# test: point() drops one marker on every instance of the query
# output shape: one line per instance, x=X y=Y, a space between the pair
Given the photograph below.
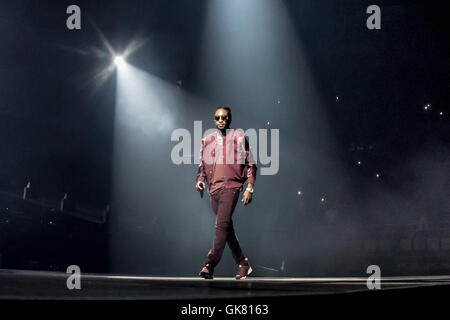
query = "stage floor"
x=20 y=284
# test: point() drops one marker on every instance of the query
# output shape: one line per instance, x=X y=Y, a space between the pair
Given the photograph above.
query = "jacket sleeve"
x=250 y=164
x=201 y=172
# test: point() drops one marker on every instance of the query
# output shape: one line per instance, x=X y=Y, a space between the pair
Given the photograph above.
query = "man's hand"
x=200 y=185
x=247 y=197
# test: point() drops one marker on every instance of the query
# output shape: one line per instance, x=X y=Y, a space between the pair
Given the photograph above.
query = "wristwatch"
x=249 y=189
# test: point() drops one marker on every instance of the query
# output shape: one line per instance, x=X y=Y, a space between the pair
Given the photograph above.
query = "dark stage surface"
x=42 y=285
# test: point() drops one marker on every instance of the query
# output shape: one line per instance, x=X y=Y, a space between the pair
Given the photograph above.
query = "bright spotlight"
x=119 y=61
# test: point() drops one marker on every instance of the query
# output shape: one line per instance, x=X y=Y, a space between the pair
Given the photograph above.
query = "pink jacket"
x=239 y=160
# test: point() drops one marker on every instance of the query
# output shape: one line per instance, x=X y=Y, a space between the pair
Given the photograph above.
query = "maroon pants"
x=223 y=202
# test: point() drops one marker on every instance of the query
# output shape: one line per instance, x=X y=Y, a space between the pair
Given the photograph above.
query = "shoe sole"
x=249 y=271
x=206 y=275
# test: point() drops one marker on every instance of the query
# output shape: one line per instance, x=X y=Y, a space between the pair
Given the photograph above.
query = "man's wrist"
x=250 y=188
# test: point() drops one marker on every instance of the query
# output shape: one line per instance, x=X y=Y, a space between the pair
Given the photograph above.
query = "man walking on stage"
x=225 y=164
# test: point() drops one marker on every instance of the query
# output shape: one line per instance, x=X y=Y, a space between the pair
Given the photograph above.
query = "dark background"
x=57 y=121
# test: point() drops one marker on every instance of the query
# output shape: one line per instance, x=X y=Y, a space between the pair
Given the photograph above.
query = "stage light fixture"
x=119 y=61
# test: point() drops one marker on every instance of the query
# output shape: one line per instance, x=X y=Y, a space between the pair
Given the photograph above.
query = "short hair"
x=225 y=108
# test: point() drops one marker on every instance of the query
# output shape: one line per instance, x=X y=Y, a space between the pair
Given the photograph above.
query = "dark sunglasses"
x=221 y=117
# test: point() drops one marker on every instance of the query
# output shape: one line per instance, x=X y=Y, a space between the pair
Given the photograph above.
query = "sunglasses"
x=226 y=118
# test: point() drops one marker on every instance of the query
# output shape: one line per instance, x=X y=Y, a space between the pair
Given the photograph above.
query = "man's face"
x=221 y=119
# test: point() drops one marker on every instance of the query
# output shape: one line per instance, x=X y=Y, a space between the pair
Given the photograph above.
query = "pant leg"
x=233 y=243
x=223 y=203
